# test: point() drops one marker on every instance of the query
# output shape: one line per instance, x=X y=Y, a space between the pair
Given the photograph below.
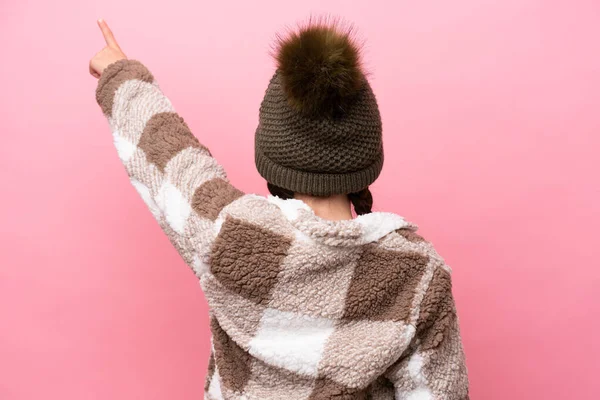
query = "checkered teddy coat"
x=301 y=308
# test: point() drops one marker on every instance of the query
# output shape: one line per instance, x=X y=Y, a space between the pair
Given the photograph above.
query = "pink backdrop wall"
x=491 y=119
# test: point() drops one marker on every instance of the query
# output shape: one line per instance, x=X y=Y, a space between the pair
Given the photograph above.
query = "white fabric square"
x=378 y=224
x=419 y=394
x=199 y=266
x=214 y=389
x=125 y=148
x=291 y=341
x=174 y=205
x=289 y=207
x=415 y=365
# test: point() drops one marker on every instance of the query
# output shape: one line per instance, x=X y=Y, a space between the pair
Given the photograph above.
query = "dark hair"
x=362 y=200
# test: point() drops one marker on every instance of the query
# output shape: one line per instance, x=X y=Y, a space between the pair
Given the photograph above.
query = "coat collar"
x=363 y=229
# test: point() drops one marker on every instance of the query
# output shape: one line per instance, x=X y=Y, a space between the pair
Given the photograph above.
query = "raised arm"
x=434 y=368
x=184 y=187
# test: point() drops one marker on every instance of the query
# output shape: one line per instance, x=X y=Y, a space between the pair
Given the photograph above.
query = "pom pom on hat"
x=320 y=69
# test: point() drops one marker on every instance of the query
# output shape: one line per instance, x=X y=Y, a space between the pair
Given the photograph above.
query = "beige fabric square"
x=360 y=351
x=268 y=382
x=139 y=168
x=190 y=168
x=134 y=104
x=239 y=317
x=258 y=211
x=314 y=280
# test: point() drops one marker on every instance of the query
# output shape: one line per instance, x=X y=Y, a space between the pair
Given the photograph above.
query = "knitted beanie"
x=319 y=129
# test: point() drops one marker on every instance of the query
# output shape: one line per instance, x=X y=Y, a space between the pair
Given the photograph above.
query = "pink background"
x=491 y=122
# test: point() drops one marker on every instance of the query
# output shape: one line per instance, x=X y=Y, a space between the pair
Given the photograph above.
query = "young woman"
x=306 y=301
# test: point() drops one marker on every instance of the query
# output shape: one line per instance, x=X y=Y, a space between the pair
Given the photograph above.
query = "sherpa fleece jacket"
x=301 y=308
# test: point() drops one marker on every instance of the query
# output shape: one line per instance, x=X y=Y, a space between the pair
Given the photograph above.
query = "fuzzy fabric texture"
x=301 y=308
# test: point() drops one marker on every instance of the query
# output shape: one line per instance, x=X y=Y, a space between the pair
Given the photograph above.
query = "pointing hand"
x=109 y=54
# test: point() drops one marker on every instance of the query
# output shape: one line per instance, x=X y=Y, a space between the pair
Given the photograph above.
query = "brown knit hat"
x=319 y=129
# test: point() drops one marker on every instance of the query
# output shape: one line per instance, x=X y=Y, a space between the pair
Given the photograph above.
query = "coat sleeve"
x=434 y=367
x=184 y=187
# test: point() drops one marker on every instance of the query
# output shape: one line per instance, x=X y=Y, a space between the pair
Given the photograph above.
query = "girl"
x=306 y=301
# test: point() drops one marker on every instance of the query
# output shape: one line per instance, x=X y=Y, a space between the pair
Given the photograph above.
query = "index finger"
x=108 y=35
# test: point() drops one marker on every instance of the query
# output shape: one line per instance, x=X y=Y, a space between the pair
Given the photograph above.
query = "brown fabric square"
x=383 y=284
x=212 y=196
x=233 y=363
x=410 y=235
x=437 y=310
x=447 y=356
x=210 y=372
x=165 y=135
x=247 y=259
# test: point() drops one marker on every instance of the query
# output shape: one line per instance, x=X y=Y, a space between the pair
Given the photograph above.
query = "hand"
x=108 y=55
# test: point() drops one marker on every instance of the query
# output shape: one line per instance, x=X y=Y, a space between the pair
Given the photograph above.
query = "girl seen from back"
x=306 y=302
